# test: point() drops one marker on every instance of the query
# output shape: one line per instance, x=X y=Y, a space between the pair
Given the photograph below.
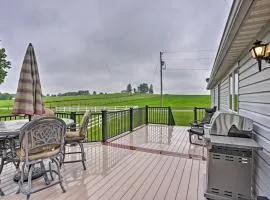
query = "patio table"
x=9 y=129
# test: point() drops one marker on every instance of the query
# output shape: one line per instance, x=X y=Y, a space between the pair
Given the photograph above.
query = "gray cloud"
x=104 y=45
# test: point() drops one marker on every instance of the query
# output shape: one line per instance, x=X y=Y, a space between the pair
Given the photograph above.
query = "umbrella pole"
x=29 y=117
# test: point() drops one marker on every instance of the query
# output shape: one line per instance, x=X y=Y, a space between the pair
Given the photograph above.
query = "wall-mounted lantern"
x=260 y=52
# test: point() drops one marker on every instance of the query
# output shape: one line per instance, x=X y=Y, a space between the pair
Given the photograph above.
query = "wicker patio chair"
x=197 y=127
x=77 y=137
x=41 y=139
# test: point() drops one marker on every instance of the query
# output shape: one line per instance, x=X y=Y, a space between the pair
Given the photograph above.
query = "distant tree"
x=4 y=65
x=83 y=92
x=134 y=90
x=5 y=96
x=129 y=88
x=94 y=93
x=143 y=88
x=151 y=90
x=101 y=93
x=48 y=95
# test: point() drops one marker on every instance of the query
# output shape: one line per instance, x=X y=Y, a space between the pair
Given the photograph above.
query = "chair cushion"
x=197 y=130
x=35 y=156
x=48 y=147
x=73 y=136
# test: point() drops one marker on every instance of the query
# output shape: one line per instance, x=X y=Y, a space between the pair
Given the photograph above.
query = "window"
x=233 y=81
x=236 y=78
x=218 y=97
x=231 y=92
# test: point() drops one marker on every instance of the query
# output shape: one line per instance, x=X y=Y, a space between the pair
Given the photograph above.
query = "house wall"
x=254 y=102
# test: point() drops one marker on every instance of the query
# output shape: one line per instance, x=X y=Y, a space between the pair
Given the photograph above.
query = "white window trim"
x=232 y=110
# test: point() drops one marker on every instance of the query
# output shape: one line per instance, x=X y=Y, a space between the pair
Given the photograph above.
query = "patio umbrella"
x=29 y=96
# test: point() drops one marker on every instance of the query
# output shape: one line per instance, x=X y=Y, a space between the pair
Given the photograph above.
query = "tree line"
x=142 y=88
x=5 y=96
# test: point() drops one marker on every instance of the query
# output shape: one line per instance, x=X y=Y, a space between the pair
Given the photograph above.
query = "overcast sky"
x=104 y=45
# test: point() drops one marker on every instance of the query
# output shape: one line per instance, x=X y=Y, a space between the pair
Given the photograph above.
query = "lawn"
x=177 y=102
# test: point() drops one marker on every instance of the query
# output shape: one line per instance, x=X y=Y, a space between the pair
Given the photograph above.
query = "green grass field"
x=177 y=102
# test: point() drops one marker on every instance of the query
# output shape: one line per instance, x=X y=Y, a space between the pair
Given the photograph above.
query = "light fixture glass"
x=260 y=52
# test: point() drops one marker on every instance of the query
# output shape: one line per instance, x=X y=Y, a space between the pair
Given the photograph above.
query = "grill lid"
x=221 y=123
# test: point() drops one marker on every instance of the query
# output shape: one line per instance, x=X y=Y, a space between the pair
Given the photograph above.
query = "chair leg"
x=45 y=176
x=62 y=158
x=1 y=192
x=59 y=174
x=1 y=164
x=29 y=184
x=83 y=155
x=50 y=168
x=20 y=182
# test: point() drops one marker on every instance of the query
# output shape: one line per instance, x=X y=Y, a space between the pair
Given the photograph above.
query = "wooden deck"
x=116 y=172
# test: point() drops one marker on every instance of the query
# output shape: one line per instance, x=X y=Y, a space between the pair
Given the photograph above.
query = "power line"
x=191 y=69
x=168 y=59
x=184 y=51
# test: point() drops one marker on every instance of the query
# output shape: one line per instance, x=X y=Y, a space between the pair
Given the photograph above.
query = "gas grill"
x=230 y=147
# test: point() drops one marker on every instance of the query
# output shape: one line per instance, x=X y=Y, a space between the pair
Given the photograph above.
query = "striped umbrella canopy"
x=29 y=96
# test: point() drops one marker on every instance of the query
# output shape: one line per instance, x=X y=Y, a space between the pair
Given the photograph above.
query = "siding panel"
x=260 y=108
x=255 y=77
x=258 y=97
x=263 y=86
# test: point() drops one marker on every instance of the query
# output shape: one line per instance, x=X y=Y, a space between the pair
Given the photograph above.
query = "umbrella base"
x=37 y=173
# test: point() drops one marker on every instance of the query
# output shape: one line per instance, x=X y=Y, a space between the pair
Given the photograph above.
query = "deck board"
x=120 y=173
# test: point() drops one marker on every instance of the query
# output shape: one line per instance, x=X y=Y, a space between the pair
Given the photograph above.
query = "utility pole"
x=161 y=78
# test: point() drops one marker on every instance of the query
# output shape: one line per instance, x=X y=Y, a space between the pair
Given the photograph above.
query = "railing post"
x=104 y=125
x=73 y=117
x=195 y=113
x=169 y=116
x=131 y=119
x=146 y=115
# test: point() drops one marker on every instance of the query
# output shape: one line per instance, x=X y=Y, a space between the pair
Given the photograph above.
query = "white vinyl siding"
x=254 y=103
x=224 y=94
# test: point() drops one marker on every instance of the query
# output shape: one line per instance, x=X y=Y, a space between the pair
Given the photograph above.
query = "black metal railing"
x=106 y=125
x=115 y=123
x=138 y=117
x=199 y=114
x=160 y=115
x=12 y=117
